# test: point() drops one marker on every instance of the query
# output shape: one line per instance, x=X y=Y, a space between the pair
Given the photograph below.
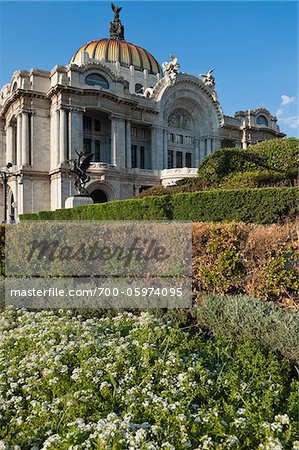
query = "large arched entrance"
x=99 y=196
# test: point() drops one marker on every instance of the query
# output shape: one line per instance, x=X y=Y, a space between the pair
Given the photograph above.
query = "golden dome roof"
x=115 y=50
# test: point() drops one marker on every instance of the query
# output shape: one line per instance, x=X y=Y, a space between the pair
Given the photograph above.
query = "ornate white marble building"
x=144 y=125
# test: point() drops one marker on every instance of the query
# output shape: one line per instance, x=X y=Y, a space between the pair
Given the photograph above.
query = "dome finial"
x=116 y=28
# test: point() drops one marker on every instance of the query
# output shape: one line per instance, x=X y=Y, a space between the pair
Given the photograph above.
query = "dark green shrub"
x=281 y=155
x=154 y=191
x=221 y=163
x=278 y=156
x=267 y=205
x=255 y=179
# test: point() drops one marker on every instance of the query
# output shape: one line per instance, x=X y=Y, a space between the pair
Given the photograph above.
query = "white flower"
x=271 y=444
x=283 y=419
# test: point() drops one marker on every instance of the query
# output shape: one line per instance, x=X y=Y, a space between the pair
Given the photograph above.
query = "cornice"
x=132 y=103
x=19 y=93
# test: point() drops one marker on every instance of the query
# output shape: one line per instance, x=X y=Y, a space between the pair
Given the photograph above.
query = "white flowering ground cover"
x=137 y=383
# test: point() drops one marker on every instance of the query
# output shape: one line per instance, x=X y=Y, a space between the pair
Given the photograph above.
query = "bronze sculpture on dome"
x=116 y=28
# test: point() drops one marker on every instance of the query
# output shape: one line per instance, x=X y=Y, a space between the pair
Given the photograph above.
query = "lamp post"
x=5 y=175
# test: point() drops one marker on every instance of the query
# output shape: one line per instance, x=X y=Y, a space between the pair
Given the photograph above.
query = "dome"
x=116 y=50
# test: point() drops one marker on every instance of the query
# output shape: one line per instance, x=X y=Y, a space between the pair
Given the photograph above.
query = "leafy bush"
x=188 y=184
x=222 y=163
x=267 y=205
x=155 y=191
x=244 y=319
x=255 y=179
x=281 y=155
x=277 y=156
x=138 y=382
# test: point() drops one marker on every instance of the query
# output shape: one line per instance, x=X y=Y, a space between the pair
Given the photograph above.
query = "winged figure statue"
x=116 y=28
x=208 y=78
x=116 y=11
x=78 y=169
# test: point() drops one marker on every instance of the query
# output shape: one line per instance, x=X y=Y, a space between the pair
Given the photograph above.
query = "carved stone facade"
x=144 y=128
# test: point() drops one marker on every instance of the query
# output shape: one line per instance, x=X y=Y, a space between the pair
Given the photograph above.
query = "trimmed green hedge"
x=266 y=205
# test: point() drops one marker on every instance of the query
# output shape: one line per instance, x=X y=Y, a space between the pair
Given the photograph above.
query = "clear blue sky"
x=253 y=45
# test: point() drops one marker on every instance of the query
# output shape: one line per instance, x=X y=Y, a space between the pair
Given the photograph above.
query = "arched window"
x=15 y=87
x=138 y=88
x=95 y=79
x=261 y=120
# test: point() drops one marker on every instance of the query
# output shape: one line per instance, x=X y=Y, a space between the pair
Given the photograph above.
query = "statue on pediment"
x=208 y=78
x=171 y=69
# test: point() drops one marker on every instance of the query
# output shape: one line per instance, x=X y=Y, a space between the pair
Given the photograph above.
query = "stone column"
x=202 y=152
x=63 y=136
x=118 y=141
x=54 y=156
x=75 y=132
x=217 y=144
x=128 y=145
x=174 y=158
x=196 y=152
x=25 y=139
x=19 y=140
x=153 y=147
x=159 y=148
x=165 y=149
x=9 y=144
x=244 y=140
x=210 y=145
x=113 y=142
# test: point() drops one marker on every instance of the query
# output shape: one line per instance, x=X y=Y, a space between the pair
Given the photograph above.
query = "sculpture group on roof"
x=171 y=69
x=208 y=78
